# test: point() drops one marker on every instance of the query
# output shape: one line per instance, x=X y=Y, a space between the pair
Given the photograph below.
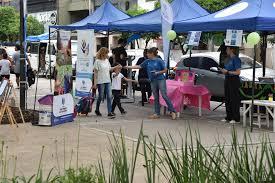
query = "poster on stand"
x=193 y=38
x=63 y=109
x=84 y=65
x=234 y=38
x=63 y=104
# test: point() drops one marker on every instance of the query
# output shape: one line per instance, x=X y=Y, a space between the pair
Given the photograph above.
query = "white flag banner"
x=167 y=22
x=84 y=66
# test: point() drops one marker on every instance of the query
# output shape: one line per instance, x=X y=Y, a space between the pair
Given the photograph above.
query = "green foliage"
x=10 y=24
x=157 y=4
x=215 y=5
x=9 y=20
x=134 y=11
x=83 y=175
x=34 y=27
x=209 y=5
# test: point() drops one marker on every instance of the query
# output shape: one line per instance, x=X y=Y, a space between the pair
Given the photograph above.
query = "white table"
x=269 y=105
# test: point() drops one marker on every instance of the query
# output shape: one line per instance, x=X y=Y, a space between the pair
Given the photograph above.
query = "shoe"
x=111 y=115
x=123 y=112
x=173 y=115
x=154 y=116
x=233 y=122
x=224 y=120
x=98 y=113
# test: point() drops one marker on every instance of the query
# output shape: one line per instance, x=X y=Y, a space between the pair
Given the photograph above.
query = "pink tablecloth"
x=188 y=94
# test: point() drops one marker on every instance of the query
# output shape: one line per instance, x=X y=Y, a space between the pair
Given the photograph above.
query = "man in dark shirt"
x=121 y=55
x=143 y=79
x=112 y=58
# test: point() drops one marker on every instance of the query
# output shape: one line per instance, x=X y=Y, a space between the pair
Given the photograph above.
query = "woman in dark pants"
x=232 y=85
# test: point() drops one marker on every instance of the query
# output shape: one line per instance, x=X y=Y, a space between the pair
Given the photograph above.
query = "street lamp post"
x=22 y=55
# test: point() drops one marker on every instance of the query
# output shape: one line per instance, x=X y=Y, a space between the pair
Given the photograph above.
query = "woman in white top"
x=5 y=65
x=102 y=79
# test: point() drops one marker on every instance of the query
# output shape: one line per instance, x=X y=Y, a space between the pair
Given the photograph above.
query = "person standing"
x=232 y=71
x=16 y=61
x=223 y=55
x=112 y=58
x=121 y=55
x=102 y=79
x=143 y=79
x=5 y=65
x=117 y=77
x=156 y=69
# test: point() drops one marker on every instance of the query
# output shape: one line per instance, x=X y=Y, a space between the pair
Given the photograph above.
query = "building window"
x=127 y=5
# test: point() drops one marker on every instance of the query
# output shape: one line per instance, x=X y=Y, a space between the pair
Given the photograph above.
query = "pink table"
x=186 y=94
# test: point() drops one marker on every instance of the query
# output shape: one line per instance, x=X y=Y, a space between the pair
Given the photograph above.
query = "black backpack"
x=31 y=77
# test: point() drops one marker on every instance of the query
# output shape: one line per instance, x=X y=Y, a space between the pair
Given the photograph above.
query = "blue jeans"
x=104 y=89
x=159 y=86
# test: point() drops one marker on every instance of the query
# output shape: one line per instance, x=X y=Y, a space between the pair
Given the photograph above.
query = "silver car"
x=205 y=66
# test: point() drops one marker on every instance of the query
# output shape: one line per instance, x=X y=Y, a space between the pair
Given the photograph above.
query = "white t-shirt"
x=5 y=67
x=116 y=81
x=103 y=67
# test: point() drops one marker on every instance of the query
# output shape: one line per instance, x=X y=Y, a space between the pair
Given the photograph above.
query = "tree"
x=215 y=5
x=10 y=24
x=34 y=27
x=134 y=11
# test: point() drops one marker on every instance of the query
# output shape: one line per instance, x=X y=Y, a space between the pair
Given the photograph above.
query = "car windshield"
x=247 y=63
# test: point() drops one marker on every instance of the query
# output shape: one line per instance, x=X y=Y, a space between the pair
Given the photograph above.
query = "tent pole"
x=108 y=37
x=50 y=58
x=263 y=52
x=253 y=90
x=168 y=62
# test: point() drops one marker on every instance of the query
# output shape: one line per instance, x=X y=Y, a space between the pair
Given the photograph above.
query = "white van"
x=40 y=53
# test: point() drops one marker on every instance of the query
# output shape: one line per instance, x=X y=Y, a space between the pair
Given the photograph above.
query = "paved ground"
x=26 y=141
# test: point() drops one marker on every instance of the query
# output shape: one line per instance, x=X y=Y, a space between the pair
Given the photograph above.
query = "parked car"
x=205 y=65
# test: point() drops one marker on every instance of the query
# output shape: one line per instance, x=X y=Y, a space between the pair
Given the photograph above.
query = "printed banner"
x=234 y=38
x=193 y=38
x=63 y=109
x=84 y=65
x=167 y=22
x=63 y=104
x=63 y=80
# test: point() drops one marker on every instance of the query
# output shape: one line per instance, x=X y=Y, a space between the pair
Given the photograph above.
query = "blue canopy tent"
x=38 y=38
x=99 y=20
x=151 y=21
x=248 y=15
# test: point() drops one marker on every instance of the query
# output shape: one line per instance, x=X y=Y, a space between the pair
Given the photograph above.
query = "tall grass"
x=165 y=160
x=191 y=161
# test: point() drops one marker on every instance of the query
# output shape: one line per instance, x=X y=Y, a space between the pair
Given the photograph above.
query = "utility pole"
x=23 y=16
